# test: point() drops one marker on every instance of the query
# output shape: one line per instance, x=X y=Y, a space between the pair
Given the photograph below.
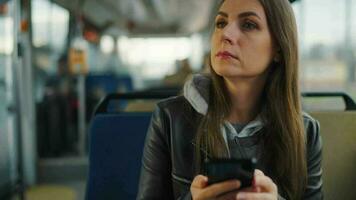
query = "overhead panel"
x=145 y=16
x=68 y=4
x=196 y=16
x=98 y=13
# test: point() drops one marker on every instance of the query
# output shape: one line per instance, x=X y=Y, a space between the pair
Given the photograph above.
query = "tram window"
x=106 y=44
x=327 y=29
x=153 y=58
x=50 y=25
x=6 y=35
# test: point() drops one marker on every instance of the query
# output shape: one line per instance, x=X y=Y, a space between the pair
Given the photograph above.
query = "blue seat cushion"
x=116 y=147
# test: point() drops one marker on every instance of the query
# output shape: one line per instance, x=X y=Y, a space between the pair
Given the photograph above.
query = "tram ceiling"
x=145 y=17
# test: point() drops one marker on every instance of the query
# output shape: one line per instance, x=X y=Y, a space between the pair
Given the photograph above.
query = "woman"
x=251 y=97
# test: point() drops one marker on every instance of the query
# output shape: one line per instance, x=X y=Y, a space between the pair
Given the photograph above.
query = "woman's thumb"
x=200 y=181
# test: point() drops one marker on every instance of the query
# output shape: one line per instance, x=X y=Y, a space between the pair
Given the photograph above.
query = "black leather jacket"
x=168 y=170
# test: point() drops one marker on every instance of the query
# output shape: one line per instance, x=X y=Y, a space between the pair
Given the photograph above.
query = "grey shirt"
x=242 y=147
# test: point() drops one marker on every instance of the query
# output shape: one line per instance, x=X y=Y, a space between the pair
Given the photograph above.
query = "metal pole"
x=81 y=114
x=17 y=88
x=27 y=98
x=81 y=87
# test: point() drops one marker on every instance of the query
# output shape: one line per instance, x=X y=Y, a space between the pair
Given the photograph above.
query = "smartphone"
x=218 y=170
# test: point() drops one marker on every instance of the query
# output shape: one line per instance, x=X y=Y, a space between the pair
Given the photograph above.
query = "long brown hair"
x=284 y=138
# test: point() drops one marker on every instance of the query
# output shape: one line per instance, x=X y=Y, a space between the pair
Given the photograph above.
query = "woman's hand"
x=263 y=189
x=219 y=191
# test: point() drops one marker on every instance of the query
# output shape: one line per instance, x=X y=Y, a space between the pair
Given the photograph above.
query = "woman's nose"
x=230 y=34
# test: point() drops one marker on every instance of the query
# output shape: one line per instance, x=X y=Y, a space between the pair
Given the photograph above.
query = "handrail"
x=103 y=105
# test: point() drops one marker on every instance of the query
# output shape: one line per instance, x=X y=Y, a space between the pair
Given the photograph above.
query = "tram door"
x=17 y=157
x=7 y=115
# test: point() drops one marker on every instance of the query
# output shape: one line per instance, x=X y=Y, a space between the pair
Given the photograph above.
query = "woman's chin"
x=229 y=71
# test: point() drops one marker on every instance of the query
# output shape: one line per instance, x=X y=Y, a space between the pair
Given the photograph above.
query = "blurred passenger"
x=57 y=114
x=62 y=67
x=249 y=107
x=178 y=79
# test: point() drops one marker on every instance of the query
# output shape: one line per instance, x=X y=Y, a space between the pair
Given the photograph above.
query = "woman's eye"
x=249 y=26
x=220 y=24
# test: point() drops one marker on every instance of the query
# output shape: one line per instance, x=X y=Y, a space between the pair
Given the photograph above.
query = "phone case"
x=219 y=170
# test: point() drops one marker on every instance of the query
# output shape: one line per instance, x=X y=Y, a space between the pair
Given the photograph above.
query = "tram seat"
x=116 y=146
x=338 y=132
x=116 y=141
x=141 y=106
x=108 y=83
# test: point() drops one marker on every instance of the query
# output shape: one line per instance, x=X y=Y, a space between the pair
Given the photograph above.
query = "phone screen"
x=219 y=170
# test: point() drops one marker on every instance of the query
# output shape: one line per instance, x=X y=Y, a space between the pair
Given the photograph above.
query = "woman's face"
x=241 y=43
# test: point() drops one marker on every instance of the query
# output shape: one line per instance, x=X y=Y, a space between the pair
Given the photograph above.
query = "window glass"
x=153 y=58
x=327 y=32
x=50 y=24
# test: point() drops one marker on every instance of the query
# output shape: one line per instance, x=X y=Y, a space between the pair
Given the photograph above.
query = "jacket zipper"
x=181 y=179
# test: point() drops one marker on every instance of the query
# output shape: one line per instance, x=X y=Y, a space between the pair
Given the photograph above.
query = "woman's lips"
x=226 y=55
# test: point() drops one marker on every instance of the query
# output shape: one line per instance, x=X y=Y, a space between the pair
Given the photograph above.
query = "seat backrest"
x=116 y=146
x=108 y=83
x=338 y=132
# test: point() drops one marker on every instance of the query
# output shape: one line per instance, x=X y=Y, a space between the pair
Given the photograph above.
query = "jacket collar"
x=196 y=91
